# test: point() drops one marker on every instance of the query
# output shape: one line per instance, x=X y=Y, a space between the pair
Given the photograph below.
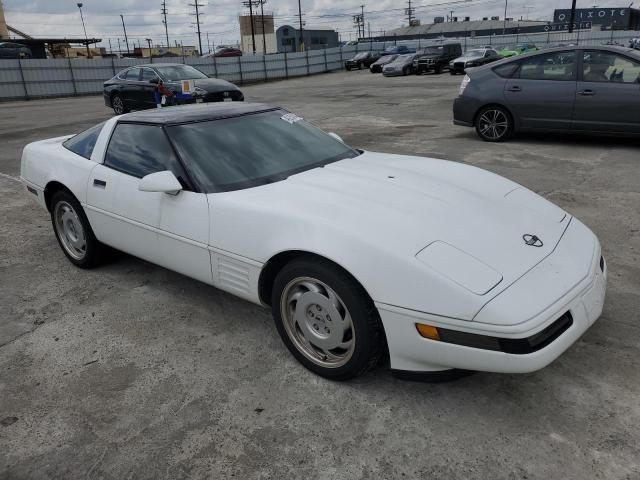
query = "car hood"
x=403 y=206
x=466 y=59
x=211 y=84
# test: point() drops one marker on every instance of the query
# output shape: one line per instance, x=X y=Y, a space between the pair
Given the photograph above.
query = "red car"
x=227 y=52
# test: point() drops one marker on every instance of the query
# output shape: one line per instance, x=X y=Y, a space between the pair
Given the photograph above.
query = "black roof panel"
x=195 y=112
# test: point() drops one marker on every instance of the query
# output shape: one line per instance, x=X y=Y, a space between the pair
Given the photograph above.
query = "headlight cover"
x=459 y=267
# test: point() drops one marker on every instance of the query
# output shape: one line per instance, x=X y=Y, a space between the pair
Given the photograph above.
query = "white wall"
x=247 y=44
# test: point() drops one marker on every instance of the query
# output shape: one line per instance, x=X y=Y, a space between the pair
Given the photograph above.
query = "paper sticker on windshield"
x=291 y=118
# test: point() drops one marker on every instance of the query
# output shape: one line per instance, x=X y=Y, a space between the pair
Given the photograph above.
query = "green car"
x=513 y=50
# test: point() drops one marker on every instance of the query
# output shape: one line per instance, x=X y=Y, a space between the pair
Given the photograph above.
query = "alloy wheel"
x=493 y=124
x=317 y=322
x=70 y=230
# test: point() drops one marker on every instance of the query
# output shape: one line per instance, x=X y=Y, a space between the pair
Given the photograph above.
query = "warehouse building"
x=288 y=39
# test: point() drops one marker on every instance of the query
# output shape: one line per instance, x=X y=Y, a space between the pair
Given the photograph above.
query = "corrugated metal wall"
x=27 y=79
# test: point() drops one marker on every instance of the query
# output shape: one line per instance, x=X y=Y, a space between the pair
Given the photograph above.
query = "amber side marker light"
x=427 y=331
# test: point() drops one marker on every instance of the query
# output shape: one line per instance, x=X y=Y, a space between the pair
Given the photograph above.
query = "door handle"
x=99 y=183
x=515 y=88
x=586 y=93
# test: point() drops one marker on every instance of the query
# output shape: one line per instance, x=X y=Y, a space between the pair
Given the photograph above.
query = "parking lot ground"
x=133 y=371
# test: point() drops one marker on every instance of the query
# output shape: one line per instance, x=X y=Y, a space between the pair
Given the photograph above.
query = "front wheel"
x=494 y=124
x=326 y=319
x=359 y=66
x=74 y=232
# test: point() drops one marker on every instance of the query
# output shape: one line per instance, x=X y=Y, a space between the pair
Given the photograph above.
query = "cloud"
x=220 y=19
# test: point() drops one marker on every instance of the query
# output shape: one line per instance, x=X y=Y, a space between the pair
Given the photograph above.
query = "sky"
x=61 y=18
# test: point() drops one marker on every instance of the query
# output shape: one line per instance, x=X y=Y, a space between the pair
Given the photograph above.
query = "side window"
x=600 y=66
x=139 y=150
x=551 y=66
x=83 y=143
x=507 y=70
x=132 y=74
x=148 y=74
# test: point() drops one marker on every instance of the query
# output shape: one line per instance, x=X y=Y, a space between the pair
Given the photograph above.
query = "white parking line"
x=10 y=177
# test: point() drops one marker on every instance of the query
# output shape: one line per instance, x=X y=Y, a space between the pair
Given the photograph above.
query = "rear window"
x=83 y=143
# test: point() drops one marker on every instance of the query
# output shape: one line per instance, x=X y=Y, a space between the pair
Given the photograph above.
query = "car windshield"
x=511 y=47
x=171 y=73
x=432 y=50
x=255 y=149
x=360 y=56
x=387 y=58
x=474 y=53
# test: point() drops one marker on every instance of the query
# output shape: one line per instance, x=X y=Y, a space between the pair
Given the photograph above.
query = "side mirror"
x=165 y=182
x=155 y=80
x=336 y=136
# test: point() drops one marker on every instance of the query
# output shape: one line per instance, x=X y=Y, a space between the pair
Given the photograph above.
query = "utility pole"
x=573 y=16
x=249 y=4
x=302 y=46
x=85 y=30
x=409 y=13
x=110 y=49
x=264 y=39
x=164 y=14
x=362 y=21
x=150 y=53
x=208 y=44
x=119 y=49
x=358 y=21
x=197 y=15
x=504 y=22
x=125 y=33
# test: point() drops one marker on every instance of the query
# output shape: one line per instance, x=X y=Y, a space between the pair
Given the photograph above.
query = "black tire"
x=115 y=98
x=452 y=72
x=437 y=70
x=94 y=250
x=404 y=72
x=369 y=345
x=347 y=68
x=360 y=66
x=494 y=116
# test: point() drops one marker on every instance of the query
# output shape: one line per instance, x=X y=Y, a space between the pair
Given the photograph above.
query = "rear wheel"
x=494 y=124
x=326 y=319
x=118 y=105
x=73 y=231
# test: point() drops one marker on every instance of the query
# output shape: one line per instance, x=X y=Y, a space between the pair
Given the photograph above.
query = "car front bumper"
x=542 y=296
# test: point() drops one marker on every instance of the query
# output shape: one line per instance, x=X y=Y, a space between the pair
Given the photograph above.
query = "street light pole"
x=125 y=33
x=85 y=30
x=504 y=22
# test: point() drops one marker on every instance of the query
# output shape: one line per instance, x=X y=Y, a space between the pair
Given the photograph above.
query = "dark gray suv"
x=578 y=89
x=14 y=50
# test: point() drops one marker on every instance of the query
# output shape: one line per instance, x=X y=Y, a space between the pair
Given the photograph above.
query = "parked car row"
x=436 y=59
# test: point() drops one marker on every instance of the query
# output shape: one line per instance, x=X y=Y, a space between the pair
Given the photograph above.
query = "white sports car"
x=439 y=265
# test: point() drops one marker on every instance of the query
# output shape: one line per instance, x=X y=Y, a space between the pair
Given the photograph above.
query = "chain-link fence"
x=53 y=77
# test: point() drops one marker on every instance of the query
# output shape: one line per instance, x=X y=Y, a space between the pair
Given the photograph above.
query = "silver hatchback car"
x=578 y=89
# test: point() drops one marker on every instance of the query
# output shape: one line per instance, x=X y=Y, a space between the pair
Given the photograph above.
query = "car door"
x=148 y=87
x=608 y=93
x=169 y=230
x=129 y=86
x=541 y=93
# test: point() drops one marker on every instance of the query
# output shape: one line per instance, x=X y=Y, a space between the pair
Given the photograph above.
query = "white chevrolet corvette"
x=439 y=265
